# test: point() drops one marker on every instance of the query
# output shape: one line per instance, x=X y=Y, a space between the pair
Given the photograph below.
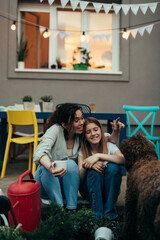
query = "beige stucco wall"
x=140 y=71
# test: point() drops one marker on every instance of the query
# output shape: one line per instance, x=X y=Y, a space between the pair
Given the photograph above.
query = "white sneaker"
x=45 y=201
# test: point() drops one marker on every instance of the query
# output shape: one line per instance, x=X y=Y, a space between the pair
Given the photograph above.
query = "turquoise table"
x=44 y=115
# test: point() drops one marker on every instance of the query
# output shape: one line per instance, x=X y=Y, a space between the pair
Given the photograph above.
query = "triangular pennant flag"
x=149 y=28
x=50 y=33
x=97 y=6
x=55 y=33
x=141 y=30
x=134 y=8
x=87 y=38
x=41 y=29
x=83 y=5
x=95 y=37
x=74 y=4
x=50 y=2
x=101 y=36
x=67 y=35
x=144 y=7
x=108 y=36
x=134 y=32
x=153 y=6
x=125 y=8
x=64 y=3
x=116 y=8
x=61 y=35
x=107 y=8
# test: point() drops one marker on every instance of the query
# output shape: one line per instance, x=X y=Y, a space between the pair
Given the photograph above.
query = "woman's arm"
x=45 y=161
x=116 y=127
x=82 y=170
x=116 y=158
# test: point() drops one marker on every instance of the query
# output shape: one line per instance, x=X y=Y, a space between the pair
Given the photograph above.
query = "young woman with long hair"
x=61 y=141
x=99 y=168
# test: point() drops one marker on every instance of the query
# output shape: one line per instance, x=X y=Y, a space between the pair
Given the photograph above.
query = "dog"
x=142 y=203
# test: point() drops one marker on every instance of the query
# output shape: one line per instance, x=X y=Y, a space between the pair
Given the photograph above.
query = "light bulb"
x=13 y=26
x=83 y=37
x=125 y=34
x=46 y=33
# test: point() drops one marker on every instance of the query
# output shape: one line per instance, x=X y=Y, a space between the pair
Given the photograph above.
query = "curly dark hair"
x=136 y=148
x=65 y=113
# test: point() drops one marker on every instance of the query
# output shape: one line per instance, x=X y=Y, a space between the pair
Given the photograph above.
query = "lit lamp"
x=46 y=33
x=13 y=26
x=83 y=37
x=125 y=34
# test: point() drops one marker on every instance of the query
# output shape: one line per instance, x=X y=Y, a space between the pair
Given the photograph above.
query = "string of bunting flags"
x=126 y=32
x=95 y=37
x=107 y=7
x=65 y=34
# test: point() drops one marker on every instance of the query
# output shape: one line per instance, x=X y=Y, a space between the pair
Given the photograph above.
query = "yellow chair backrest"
x=26 y=117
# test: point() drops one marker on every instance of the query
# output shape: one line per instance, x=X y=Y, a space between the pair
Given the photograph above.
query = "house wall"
x=138 y=84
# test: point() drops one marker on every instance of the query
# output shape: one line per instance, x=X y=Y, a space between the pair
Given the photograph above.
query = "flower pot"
x=28 y=105
x=21 y=65
x=80 y=67
x=46 y=106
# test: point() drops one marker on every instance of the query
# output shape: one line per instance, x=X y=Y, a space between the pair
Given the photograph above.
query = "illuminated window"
x=102 y=41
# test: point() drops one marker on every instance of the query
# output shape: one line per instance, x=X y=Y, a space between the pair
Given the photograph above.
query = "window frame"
x=89 y=75
x=53 y=11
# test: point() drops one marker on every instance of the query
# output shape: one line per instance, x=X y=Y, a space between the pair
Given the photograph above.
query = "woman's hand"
x=88 y=162
x=99 y=166
x=59 y=173
x=117 y=125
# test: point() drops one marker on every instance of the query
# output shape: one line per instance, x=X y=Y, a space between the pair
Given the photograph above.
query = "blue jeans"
x=54 y=188
x=102 y=190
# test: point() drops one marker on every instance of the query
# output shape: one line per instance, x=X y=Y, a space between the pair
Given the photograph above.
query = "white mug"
x=103 y=233
x=57 y=165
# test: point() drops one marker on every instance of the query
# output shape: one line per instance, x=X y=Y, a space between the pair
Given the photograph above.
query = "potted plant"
x=58 y=61
x=46 y=103
x=22 y=51
x=28 y=103
x=85 y=58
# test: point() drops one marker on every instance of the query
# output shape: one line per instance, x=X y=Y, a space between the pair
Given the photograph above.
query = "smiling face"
x=93 y=133
x=78 y=122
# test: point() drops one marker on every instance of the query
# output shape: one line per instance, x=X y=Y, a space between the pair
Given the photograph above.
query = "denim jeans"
x=54 y=188
x=102 y=190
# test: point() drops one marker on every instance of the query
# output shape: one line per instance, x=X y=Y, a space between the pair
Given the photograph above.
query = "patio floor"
x=20 y=165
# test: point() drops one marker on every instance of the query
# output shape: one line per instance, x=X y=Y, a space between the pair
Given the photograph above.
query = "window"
x=102 y=41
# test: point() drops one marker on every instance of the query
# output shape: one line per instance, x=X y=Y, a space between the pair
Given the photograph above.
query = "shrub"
x=27 y=99
x=8 y=233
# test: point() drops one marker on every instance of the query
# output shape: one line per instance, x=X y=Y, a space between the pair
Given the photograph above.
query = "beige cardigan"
x=54 y=145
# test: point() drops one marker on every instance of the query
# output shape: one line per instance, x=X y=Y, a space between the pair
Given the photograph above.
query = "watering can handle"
x=20 y=178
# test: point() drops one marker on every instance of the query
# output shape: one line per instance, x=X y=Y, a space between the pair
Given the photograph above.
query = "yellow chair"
x=26 y=117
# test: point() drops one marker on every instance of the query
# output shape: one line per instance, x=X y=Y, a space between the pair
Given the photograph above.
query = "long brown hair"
x=65 y=113
x=85 y=145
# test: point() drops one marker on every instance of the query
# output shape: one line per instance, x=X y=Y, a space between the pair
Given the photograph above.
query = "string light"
x=83 y=37
x=46 y=33
x=125 y=34
x=13 y=26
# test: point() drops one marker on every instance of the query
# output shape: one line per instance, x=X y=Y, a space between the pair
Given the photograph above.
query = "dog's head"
x=136 y=148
